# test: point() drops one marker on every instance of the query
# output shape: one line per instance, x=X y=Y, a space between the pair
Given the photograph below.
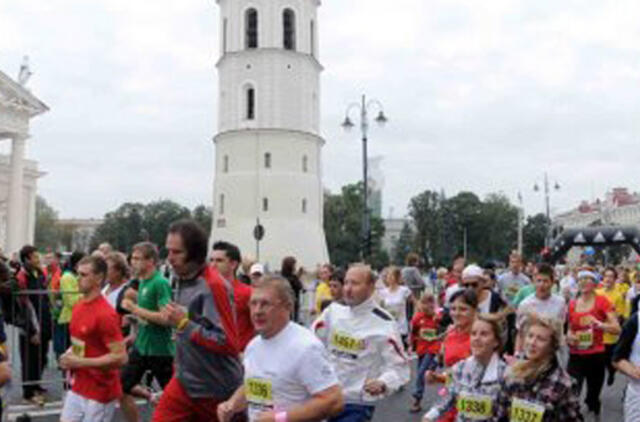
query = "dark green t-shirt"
x=153 y=339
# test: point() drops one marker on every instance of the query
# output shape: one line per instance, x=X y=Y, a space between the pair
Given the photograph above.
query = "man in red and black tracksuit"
x=207 y=368
x=34 y=341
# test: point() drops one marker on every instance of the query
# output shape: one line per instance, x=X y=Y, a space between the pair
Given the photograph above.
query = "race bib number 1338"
x=474 y=406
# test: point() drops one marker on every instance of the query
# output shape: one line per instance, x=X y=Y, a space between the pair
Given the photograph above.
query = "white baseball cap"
x=257 y=268
x=472 y=271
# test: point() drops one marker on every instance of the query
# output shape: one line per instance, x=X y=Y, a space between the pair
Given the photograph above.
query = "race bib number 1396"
x=258 y=391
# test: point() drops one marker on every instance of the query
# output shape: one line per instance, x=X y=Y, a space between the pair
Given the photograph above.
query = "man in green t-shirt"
x=154 y=347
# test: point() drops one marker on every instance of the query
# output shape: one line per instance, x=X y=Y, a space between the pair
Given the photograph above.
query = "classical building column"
x=16 y=214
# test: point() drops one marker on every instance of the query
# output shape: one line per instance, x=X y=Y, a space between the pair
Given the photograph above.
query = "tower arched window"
x=221 y=204
x=305 y=164
x=251 y=28
x=225 y=24
x=265 y=204
x=304 y=206
x=267 y=160
x=225 y=164
x=312 y=37
x=289 y=29
x=250 y=103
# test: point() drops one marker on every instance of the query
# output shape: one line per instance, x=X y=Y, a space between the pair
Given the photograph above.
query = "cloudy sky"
x=482 y=96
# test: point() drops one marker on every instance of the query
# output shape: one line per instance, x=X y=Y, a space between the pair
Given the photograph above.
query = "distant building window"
x=251 y=28
x=225 y=164
x=221 y=204
x=251 y=103
x=267 y=160
x=304 y=206
x=265 y=204
x=289 y=29
x=305 y=164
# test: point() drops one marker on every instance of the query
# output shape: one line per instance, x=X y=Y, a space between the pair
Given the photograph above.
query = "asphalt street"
x=394 y=408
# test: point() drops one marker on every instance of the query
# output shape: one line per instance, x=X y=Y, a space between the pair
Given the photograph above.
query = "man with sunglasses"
x=489 y=302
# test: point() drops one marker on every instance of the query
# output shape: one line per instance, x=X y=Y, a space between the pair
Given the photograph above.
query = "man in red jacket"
x=207 y=368
x=226 y=259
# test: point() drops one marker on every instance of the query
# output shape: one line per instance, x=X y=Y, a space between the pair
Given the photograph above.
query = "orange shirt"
x=457 y=347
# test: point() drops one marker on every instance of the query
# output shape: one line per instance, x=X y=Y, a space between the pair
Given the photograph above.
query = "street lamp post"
x=547 y=192
x=364 y=106
x=520 y=224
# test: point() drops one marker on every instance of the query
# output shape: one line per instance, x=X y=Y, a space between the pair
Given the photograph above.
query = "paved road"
x=395 y=408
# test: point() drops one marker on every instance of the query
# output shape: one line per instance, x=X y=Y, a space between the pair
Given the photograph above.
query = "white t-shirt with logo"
x=396 y=303
x=553 y=307
x=285 y=370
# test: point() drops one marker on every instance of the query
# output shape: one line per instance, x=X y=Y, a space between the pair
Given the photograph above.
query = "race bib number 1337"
x=526 y=411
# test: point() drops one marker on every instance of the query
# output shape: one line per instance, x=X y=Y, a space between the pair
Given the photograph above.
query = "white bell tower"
x=268 y=146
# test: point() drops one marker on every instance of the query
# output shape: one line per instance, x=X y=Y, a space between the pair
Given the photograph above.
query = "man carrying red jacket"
x=207 y=368
x=225 y=257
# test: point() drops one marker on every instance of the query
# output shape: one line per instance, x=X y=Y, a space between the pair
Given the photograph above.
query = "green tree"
x=203 y=215
x=499 y=228
x=403 y=245
x=157 y=216
x=135 y=222
x=122 y=227
x=426 y=211
x=534 y=233
x=343 y=228
x=442 y=224
x=46 y=231
x=464 y=213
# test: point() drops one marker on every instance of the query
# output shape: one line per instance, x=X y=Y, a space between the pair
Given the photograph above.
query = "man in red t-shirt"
x=97 y=350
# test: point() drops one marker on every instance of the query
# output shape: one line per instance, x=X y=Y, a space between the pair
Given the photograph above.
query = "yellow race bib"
x=258 y=391
x=585 y=339
x=346 y=343
x=526 y=411
x=428 y=334
x=77 y=347
x=475 y=406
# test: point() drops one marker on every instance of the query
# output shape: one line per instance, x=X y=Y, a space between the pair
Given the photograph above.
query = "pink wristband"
x=281 y=417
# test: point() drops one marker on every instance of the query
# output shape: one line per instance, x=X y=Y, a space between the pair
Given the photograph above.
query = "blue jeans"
x=354 y=413
x=425 y=362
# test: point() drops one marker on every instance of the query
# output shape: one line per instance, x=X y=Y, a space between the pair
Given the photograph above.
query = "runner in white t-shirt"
x=287 y=376
x=394 y=298
x=543 y=303
x=117 y=272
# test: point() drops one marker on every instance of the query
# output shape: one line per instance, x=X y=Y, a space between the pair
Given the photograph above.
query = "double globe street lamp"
x=364 y=107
